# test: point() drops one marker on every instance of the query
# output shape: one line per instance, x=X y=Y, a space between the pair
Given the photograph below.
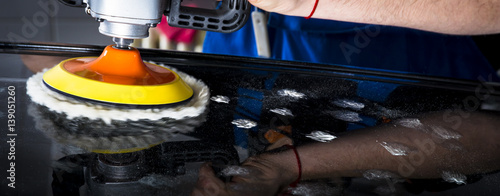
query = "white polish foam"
x=56 y=102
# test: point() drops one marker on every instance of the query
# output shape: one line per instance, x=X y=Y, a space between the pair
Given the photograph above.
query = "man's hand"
x=466 y=17
x=289 y=7
x=256 y=176
x=37 y=63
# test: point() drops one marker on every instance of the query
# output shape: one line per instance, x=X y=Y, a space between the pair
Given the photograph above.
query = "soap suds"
x=396 y=149
x=282 y=111
x=235 y=171
x=220 y=99
x=410 y=123
x=244 y=123
x=453 y=177
x=444 y=133
x=349 y=104
x=291 y=93
x=345 y=115
x=321 y=136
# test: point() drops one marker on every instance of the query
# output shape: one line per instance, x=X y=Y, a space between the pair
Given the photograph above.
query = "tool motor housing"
x=131 y=19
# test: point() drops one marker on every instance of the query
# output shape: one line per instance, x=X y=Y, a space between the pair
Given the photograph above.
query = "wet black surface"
x=52 y=159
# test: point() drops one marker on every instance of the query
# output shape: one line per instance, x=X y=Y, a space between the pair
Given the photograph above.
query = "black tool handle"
x=230 y=16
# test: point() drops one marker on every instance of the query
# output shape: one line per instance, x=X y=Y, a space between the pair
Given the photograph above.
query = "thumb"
x=208 y=183
x=278 y=6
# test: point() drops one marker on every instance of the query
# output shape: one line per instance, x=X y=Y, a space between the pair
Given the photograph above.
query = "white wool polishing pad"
x=56 y=102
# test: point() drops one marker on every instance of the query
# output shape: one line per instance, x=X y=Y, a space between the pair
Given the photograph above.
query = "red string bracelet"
x=314 y=9
x=296 y=182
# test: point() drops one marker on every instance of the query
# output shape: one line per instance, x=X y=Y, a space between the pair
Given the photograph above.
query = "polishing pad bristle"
x=73 y=108
x=105 y=129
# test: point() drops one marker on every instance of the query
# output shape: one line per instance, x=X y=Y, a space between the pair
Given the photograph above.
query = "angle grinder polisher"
x=92 y=99
x=118 y=93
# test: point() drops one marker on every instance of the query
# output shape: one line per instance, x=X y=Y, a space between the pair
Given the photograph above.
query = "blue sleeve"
x=360 y=45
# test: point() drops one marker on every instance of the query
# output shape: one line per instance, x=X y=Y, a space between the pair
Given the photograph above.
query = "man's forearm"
x=431 y=149
x=469 y=148
x=465 y=17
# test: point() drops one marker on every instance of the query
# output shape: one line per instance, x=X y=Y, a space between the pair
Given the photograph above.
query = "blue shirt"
x=361 y=45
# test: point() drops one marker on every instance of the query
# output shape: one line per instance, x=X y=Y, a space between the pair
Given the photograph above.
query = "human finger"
x=208 y=184
x=281 y=142
x=37 y=63
x=277 y=6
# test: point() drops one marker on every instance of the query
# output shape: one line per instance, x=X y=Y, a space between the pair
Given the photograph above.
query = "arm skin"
x=36 y=63
x=464 y=17
x=351 y=155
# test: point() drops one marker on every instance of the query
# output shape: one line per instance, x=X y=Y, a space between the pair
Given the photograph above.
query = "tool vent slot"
x=214 y=27
x=184 y=23
x=243 y=6
x=213 y=20
x=199 y=18
x=198 y=24
x=237 y=6
x=187 y=17
x=225 y=28
x=232 y=20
